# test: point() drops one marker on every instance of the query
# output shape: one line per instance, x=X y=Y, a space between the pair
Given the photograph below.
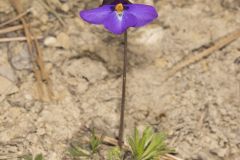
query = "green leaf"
x=147 y=146
x=78 y=152
x=114 y=154
x=39 y=157
x=95 y=142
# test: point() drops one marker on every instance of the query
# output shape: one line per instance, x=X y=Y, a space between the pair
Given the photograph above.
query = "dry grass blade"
x=17 y=5
x=13 y=28
x=220 y=43
x=2 y=40
x=37 y=58
x=44 y=74
x=16 y=18
x=10 y=29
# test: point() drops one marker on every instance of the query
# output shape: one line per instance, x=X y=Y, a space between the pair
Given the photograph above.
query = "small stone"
x=63 y=40
x=65 y=7
x=51 y=41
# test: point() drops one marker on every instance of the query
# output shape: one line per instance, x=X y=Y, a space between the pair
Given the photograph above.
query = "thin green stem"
x=125 y=59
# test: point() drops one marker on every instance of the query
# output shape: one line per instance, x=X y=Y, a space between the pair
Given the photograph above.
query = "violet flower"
x=118 y=15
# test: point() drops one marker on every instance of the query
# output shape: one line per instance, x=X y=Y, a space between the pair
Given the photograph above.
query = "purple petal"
x=144 y=13
x=119 y=24
x=97 y=15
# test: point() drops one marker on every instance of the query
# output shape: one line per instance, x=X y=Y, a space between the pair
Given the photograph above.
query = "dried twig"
x=16 y=39
x=220 y=43
x=37 y=58
x=13 y=28
x=16 y=18
x=10 y=29
x=17 y=5
x=44 y=74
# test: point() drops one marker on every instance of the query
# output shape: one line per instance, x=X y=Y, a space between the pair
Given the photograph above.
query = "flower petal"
x=97 y=15
x=119 y=24
x=144 y=13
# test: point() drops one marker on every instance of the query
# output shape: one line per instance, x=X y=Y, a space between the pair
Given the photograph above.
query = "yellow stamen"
x=119 y=7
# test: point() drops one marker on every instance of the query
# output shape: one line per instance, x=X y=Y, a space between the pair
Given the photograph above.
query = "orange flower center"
x=119 y=7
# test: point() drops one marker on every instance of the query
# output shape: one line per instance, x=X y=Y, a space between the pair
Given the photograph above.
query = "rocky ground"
x=198 y=108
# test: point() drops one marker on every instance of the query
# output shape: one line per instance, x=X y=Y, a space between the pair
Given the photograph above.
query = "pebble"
x=51 y=41
x=65 y=7
x=63 y=40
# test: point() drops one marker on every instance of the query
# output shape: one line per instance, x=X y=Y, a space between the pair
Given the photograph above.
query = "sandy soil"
x=198 y=107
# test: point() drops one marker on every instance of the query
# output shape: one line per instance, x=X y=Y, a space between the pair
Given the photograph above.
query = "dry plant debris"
x=193 y=58
x=35 y=52
x=46 y=5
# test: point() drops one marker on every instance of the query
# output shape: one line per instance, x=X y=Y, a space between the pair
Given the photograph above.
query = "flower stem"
x=125 y=59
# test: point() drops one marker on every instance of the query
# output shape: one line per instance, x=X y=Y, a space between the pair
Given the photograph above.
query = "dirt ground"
x=198 y=107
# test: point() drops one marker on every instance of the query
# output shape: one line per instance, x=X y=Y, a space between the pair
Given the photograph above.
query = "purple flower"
x=118 y=15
